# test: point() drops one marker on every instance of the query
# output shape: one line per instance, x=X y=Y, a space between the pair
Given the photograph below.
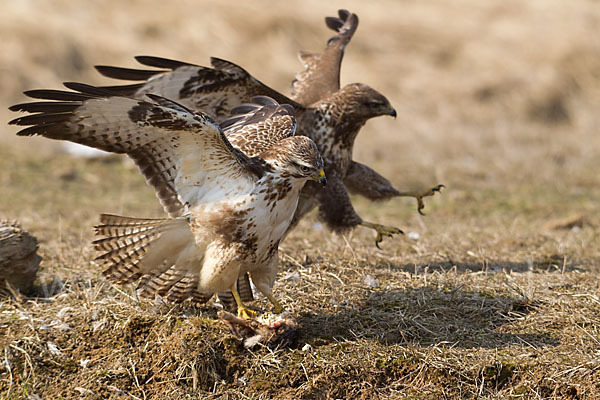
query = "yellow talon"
x=420 y=195
x=242 y=310
x=246 y=313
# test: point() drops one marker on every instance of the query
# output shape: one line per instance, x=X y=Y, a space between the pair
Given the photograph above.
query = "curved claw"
x=382 y=231
x=420 y=206
x=242 y=311
x=430 y=192
x=378 y=240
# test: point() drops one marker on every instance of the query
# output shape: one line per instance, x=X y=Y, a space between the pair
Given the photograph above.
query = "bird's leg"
x=419 y=196
x=278 y=307
x=381 y=230
x=242 y=310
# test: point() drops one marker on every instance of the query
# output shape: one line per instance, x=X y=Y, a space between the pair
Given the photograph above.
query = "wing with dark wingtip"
x=182 y=154
x=321 y=76
x=214 y=91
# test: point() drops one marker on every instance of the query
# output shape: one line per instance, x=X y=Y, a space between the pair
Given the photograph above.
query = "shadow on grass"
x=550 y=264
x=439 y=314
x=433 y=315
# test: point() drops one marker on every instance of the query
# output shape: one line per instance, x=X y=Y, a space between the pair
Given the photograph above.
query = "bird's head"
x=365 y=102
x=298 y=157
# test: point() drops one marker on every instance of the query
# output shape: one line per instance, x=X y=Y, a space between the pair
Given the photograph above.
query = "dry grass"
x=498 y=297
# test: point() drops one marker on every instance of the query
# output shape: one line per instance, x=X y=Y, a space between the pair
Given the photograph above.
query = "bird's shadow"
x=436 y=314
x=550 y=263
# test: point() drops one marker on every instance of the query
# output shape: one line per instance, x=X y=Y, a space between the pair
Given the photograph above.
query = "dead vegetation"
x=494 y=294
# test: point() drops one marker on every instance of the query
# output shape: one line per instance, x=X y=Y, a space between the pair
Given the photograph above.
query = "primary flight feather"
x=228 y=207
x=329 y=114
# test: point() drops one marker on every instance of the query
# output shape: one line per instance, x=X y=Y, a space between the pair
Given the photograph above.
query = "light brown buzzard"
x=228 y=207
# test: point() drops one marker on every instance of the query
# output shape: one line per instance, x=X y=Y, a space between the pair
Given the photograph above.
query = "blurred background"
x=481 y=88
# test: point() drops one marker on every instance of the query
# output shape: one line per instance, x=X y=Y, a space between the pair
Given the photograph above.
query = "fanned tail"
x=147 y=249
x=174 y=285
x=126 y=242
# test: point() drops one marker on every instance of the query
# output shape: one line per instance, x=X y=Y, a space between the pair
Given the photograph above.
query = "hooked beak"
x=321 y=178
x=391 y=112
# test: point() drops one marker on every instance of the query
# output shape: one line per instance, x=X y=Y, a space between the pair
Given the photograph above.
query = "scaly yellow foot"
x=246 y=313
x=382 y=230
x=242 y=310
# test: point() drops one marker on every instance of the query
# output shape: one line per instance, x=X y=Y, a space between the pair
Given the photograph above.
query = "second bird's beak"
x=392 y=112
x=322 y=179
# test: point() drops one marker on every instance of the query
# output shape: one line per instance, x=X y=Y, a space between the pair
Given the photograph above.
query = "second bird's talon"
x=431 y=192
x=420 y=205
x=384 y=231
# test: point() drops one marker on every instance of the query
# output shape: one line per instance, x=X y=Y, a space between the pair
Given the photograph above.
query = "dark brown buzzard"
x=330 y=115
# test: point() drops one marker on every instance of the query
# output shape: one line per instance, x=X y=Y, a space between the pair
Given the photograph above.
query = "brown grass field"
x=497 y=298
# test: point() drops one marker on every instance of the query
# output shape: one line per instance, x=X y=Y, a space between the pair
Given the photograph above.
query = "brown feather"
x=125 y=243
x=321 y=76
x=124 y=125
x=159 y=62
x=126 y=74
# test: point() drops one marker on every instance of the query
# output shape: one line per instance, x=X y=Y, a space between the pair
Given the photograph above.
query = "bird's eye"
x=304 y=168
x=375 y=104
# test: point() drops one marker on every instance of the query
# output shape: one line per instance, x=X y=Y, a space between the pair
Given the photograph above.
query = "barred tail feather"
x=244 y=289
x=174 y=286
x=148 y=250
x=185 y=288
x=200 y=298
x=133 y=247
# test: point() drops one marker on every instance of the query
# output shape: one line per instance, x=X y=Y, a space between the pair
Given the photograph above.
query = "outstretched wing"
x=214 y=91
x=182 y=154
x=321 y=76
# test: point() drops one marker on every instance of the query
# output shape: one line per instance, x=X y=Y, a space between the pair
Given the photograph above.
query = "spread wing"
x=215 y=91
x=321 y=76
x=182 y=154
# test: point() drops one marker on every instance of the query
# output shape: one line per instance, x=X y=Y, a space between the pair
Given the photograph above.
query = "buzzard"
x=328 y=114
x=227 y=207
